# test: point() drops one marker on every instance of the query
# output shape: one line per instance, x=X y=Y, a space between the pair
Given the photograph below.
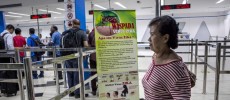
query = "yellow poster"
x=116 y=47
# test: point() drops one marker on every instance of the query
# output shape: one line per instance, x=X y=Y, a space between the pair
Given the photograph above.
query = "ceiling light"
x=49 y=11
x=18 y=14
x=58 y=17
x=219 y=1
x=119 y=4
x=185 y=2
x=162 y=2
x=60 y=9
x=12 y=16
x=99 y=6
x=22 y=20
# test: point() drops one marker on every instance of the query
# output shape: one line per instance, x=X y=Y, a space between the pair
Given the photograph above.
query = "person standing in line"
x=8 y=89
x=56 y=41
x=8 y=38
x=32 y=43
x=167 y=72
x=92 y=60
x=19 y=42
x=73 y=38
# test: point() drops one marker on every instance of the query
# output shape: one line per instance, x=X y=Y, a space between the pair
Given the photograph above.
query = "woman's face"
x=155 y=39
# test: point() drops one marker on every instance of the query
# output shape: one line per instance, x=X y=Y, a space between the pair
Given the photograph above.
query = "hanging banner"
x=116 y=47
x=70 y=12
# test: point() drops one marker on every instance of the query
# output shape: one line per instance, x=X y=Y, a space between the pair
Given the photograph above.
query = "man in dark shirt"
x=19 y=42
x=92 y=60
x=73 y=77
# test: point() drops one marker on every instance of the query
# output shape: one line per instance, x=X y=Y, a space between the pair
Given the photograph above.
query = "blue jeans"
x=72 y=77
x=34 y=59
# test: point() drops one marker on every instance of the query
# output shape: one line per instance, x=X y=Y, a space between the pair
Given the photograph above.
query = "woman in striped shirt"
x=168 y=77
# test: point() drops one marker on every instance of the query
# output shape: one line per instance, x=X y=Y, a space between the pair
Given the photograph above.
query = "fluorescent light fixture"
x=12 y=16
x=219 y=1
x=60 y=9
x=121 y=5
x=58 y=17
x=22 y=20
x=49 y=11
x=18 y=14
x=162 y=2
x=184 y=1
x=99 y=6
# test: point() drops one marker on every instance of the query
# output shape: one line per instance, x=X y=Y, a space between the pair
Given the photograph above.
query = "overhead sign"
x=116 y=53
x=177 y=6
x=40 y=16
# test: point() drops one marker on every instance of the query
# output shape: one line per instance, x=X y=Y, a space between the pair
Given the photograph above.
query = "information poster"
x=116 y=47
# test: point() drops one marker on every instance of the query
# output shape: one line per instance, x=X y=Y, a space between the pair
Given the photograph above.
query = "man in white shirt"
x=8 y=37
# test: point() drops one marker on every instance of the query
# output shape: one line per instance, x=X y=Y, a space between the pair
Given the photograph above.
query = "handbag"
x=192 y=79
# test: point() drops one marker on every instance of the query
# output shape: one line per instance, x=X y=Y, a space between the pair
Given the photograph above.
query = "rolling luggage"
x=9 y=89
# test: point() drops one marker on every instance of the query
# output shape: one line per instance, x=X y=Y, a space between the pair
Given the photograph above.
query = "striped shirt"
x=169 y=81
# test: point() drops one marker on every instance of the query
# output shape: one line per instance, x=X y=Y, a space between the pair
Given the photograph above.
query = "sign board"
x=70 y=12
x=176 y=6
x=39 y=16
x=116 y=53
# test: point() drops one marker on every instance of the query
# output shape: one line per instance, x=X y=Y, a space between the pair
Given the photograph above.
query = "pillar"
x=80 y=13
x=2 y=22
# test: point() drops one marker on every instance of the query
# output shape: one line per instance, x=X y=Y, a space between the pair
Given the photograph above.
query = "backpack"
x=39 y=44
x=69 y=39
x=2 y=42
x=50 y=53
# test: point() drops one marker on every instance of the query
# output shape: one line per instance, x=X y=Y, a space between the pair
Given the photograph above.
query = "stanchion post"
x=29 y=79
x=217 y=78
x=56 y=72
x=64 y=74
x=191 y=55
x=224 y=54
x=20 y=83
x=81 y=74
x=205 y=67
x=196 y=53
x=17 y=56
x=19 y=74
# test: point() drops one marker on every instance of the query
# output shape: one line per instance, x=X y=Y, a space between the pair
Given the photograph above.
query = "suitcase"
x=9 y=89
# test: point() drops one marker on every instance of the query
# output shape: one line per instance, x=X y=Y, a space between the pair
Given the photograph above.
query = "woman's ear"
x=166 y=38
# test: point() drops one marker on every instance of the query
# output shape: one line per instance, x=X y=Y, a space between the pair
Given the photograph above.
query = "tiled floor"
x=46 y=91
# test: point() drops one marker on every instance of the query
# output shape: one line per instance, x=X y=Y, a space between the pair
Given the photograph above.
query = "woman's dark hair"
x=167 y=25
x=18 y=31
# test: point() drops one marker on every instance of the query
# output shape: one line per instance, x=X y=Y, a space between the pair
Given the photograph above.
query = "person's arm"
x=85 y=42
x=10 y=43
x=14 y=40
x=181 y=90
x=53 y=38
x=29 y=43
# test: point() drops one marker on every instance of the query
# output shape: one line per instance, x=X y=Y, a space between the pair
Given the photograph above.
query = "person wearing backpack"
x=73 y=38
x=6 y=43
x=34 y=41
x=55 y=41
x=6 y=39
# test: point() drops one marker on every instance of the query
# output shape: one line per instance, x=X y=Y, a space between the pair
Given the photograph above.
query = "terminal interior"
x=204 y=27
